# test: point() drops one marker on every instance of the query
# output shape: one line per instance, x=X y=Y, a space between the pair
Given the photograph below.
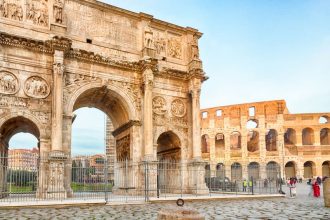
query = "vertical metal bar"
x=105 y=169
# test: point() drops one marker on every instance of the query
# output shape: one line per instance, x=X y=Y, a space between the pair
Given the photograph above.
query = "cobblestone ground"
x=302 y=207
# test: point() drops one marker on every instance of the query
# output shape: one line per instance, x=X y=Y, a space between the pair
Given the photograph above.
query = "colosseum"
x=252 y=139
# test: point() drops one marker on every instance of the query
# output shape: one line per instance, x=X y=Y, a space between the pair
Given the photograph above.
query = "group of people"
x=315 y=186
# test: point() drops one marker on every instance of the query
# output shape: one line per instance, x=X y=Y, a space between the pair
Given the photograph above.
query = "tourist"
x=319 y=180
x=250 y=185
x=244 y=185
x=265 y=183
x=316 y=188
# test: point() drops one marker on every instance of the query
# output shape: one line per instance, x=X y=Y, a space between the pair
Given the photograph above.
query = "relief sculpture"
x=174 y=48
x=159 y=105
x=11 y=9
x=37 y=12
x=8 y=83
x=36 y=87
x=160 y=45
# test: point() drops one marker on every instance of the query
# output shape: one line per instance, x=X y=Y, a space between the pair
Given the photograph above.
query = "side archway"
x=290 y=169
x=309 y=169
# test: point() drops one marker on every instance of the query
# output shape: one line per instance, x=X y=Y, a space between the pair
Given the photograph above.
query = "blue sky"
x=252 y=50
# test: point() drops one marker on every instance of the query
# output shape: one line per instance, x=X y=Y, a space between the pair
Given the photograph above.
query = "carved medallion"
x=159 y=105
x=36 y=87
x=178 y=108
x=8 y=83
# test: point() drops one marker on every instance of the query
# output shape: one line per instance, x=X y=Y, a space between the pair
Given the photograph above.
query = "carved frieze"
x=174 y=48
x=178 y=108
x=56 y=170
x=37 y=12
x=43 y=117
x=11 y=101
x=160 y=44
x=8 y=83
x=36 y=87
x=159 y=105
x=11 y=9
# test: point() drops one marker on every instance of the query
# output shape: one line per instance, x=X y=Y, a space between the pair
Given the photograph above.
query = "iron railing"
x=30 y=178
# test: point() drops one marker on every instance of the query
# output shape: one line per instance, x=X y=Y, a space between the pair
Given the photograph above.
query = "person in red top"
x=316 y=189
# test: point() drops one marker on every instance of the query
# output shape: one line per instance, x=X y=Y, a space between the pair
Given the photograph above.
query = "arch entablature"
x=42 y=128
x=116 y=91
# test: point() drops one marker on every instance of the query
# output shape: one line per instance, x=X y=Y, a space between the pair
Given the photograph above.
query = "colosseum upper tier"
x=251 y=139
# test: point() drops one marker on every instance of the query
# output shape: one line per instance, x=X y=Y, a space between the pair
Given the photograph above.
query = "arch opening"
x=324 y=136
x=219 y=145
x=290 y=169
x=251 y=124
x=271 y=140
x=290 y=137
x=307 y=136
x=309 y=169
x=221 y=171
x=205 y=144
x=236 y=172
x=326 y=169
x=20 y=165
x=253 y=171
x=273 y=170
x=235 y=141
x=253 y=141
x=169 y=147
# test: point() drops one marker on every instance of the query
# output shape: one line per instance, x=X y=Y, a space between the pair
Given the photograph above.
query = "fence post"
x=252 y=185
x=106 y=179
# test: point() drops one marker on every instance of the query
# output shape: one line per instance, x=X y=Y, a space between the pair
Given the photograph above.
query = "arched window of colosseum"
x=235 y=140
x=205 y=144
x=204 y=115
x=290 y=137
x=251 y=124
x=324 y=136
x=219 y=145
x=324 y=120
x=253 y=171
x=326 y=168
x=273 y=170
x=307 y=136
x=309 y=169
x=253 y=141
x=221 y=172
x=290 y=169
x=236 y=171
x=271 y=140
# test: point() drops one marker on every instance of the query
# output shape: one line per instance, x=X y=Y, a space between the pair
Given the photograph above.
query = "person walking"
x=316 y=189
x=250 y=185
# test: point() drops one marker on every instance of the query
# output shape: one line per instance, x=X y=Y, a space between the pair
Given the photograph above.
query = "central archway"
x=118 y=107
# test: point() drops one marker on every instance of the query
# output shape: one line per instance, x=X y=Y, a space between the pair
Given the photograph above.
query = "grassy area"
x=94 y=187
x=20 y=189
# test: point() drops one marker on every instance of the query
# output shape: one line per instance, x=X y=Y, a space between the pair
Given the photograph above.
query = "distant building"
x=23 y=159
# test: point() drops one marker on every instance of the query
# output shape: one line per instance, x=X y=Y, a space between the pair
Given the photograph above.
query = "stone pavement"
x=302 y=207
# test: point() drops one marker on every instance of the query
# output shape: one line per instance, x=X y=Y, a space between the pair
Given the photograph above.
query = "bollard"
x=326 y=192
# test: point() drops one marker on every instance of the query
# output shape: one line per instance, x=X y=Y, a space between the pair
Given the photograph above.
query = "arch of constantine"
x=145 y=74
x=265 y=136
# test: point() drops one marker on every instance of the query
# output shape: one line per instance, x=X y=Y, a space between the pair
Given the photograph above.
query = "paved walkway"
x=302 y=207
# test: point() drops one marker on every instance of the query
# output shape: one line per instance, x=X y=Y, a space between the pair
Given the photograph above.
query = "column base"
x=196 y=170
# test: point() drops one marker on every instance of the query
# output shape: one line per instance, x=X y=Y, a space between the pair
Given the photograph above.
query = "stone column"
x=57 y=158
x=57 y=101
x=196 y=120
x=148 y=80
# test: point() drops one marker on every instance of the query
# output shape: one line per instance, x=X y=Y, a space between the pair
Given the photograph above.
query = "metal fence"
x=25 y=177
